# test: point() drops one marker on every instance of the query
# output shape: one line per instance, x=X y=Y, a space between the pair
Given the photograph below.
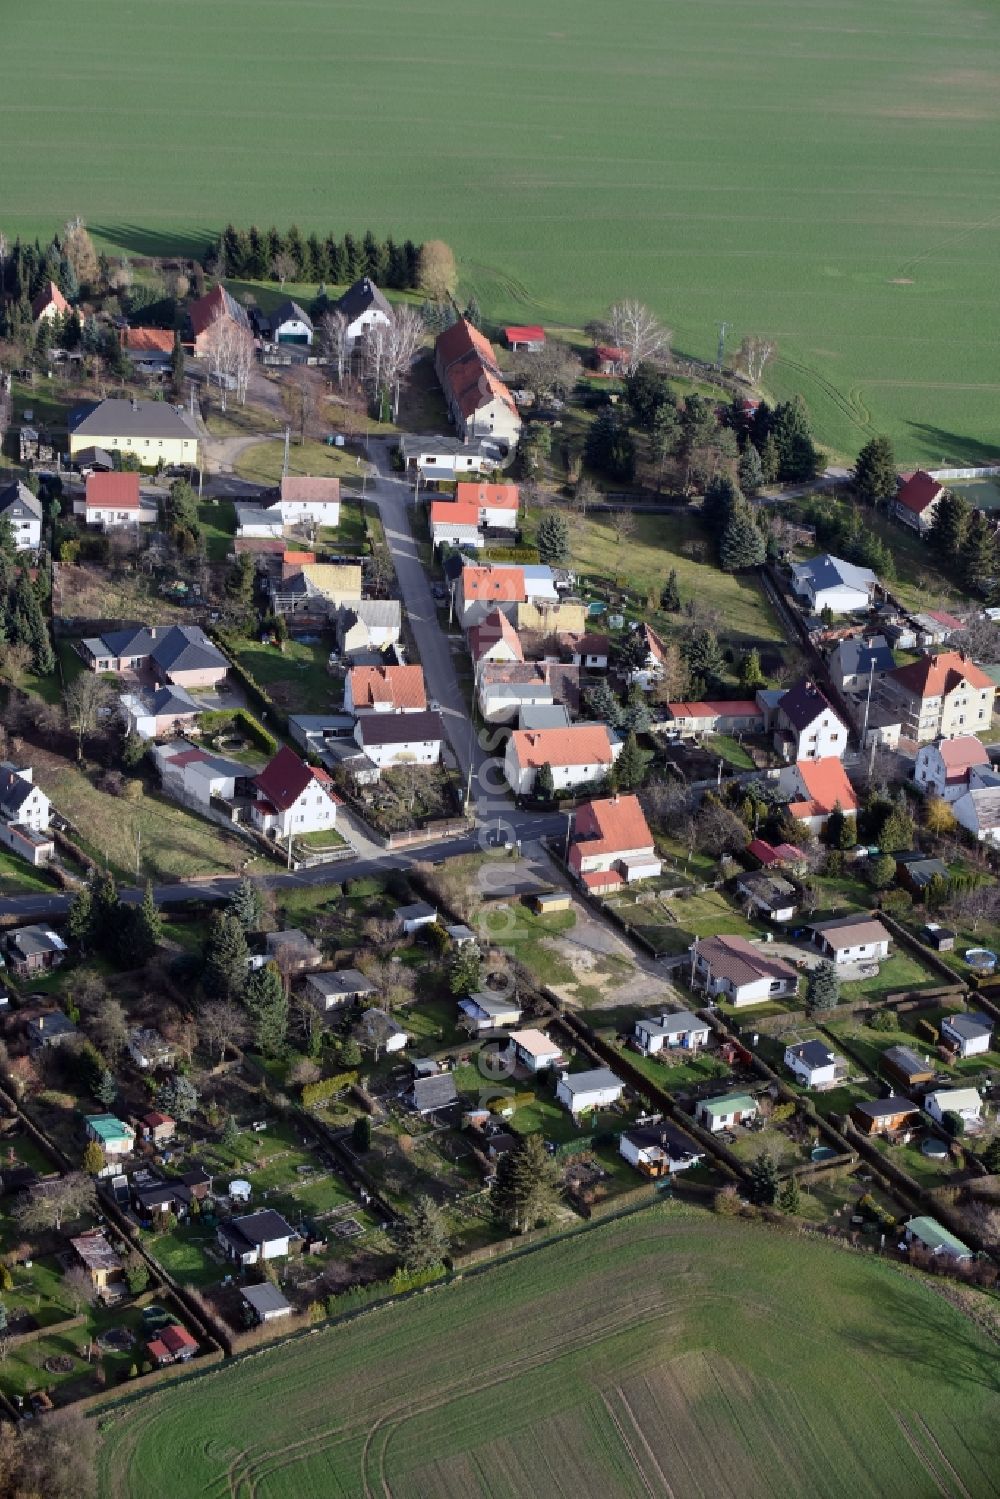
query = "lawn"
x=263 y=463
x=706 y=915
x=218 y=523
x=641 y=564
x=295 y=676
x=581 y=1347
x=170 y=841
x=17 y=877
x=897 y=973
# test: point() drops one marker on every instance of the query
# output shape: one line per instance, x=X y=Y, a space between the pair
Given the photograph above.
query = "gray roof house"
x=266 y=1301
x=132 y=419
x=23 y=512
x=50 y=1029
x=328 y=989
x=855 y=662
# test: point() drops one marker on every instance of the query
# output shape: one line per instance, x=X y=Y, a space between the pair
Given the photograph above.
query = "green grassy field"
x=824 y=175
x=629 y=1359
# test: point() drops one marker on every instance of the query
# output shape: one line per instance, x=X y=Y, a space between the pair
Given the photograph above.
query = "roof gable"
x=284 y=779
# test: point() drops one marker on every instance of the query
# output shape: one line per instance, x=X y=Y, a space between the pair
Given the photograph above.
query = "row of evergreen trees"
x=22 y=617
x=261 y=253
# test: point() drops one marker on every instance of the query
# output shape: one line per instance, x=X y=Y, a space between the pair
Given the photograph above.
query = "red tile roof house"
x=815 y=789
x=734 y=970
x=942 y=769
x=649 y=673
x=172 y=1345
x=525 y=337
x=50 y=303
x=612 y=844
x=293 y=798
x=482 y=589
x=150 y=349
x=455 y=524
x=206 y=311
x=741 y=716
x=385 y=689
x=578 y=756
x=495 y=639
x=917 y=500
x=479 y=402
x=497 y=504
x=940 y=696
x=590 y=652
x=115 y=500
x=310 y=498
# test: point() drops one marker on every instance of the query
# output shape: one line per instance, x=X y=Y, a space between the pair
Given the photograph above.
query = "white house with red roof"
x=651 y=668
x=815 y=788
x=732 y=969
x=525 y=336
x=114 y=500
x=50 y=303
x=312 y=498
x=740 y=716
x=612 y=844
x=577 y=756
x=496 y=504
x=917 y=500
x=292 y=798
x=479 y=402
x=483 y=588
x=454 y=524
x=942 y=769
x=495 y=639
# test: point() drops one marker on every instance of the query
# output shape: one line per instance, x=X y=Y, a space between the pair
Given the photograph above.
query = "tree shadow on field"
x=952 y=451
x=926 y=1331
x=159 y=242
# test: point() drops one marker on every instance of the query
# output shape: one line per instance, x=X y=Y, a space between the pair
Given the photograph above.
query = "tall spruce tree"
x=225 y=954
x=749 y=470
x=267 y=1005
x=949 y=526
x=875 y=472
x=822 y=989
x=421 y=1235
x=742 y=544
x=979 y=553
x=526 y=1187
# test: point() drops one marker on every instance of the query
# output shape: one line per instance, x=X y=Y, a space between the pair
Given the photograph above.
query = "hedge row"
x=314 y=1094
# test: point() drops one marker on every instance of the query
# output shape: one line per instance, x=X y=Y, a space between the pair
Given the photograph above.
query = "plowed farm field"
x=670 y=1353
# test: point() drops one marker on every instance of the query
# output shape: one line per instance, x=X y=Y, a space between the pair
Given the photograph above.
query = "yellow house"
x=154 y=431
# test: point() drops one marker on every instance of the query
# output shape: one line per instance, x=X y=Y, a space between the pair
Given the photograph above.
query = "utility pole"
x=723 y=330
x=138 y=849
x=284 y=465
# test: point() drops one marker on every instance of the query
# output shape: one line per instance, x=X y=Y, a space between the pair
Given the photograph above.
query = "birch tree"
x=636 y=331
x=231 y=357
x=754 y=355
x=335 y=342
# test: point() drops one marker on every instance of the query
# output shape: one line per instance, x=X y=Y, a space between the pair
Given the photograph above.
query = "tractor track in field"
x=842 y=402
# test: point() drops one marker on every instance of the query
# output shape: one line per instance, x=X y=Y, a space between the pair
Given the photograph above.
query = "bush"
x=882 y=1020
x=782 y=1112
x=727 y=1202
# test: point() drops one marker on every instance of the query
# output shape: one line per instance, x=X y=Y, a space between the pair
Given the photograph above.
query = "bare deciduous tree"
x=585 y=495
x=622 y=524
x=552 y=370
x=230 y=350
x=219 y=1024
x=52 y=1203
x=335 y=342
x=78 y=1287
x=637 y=332
x=85 y=702
x=754 y=355
x=283 y=267
x=302 y=398
x=109 y=1028
x=406 y=333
